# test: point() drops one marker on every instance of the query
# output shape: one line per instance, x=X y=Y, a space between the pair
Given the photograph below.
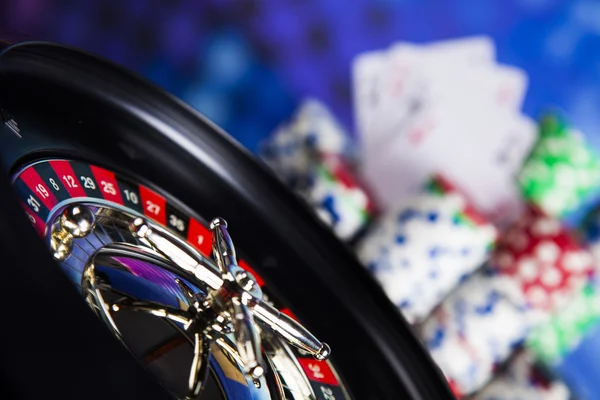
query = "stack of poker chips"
x=568 y=343
x=544 y=260
x=313 y=155
x=426 y=253
x=422 y=249
x=475 y=330
x=536 y=269
x=552 y=341
x=295 y=146
x=524 y=379
x=562 y=174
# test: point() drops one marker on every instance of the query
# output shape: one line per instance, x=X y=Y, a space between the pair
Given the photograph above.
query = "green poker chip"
x=563 y=332
x=561 y=171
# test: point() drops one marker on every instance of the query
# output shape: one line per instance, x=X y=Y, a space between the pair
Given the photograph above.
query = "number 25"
x=108 y=187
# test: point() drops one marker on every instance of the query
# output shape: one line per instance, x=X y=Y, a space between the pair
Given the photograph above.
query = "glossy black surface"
x=71 y=104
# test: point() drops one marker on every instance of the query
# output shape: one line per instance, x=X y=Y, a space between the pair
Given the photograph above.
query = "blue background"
x=247 y=63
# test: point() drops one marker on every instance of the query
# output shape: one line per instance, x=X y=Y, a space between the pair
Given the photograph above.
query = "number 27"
x=152 y=208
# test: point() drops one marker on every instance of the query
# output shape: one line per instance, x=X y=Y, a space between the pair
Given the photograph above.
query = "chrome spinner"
x=229 y=313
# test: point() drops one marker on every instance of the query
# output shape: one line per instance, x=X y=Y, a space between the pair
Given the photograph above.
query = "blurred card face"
x=480 y=154
x=417 y=80
x=445 y=107
x=388 y=84
x=367 y=71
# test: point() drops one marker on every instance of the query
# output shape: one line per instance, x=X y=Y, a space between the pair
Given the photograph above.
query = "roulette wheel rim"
x=157 y=140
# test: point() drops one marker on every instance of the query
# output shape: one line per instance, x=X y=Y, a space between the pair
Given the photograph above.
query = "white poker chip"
x=307 y=153
x=340 y=207
x=475 y=329
x=314 y=122
x=291 y=149
x=421 y=251
x=285 y=153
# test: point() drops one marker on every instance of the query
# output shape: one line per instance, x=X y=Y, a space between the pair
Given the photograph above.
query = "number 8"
x=54 y=184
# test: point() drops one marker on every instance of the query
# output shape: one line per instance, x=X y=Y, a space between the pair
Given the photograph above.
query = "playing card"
x=518 y=141
x=367 y=70
x=466 y=148
x=388 y=83
x=404 y=93
x=443 y=107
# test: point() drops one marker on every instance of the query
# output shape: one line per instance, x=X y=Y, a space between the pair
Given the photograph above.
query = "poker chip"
x=524 y=380
x=296 y=146
x=474 y=330
x=543 y=259
x=551 y=341
x=312 y=154
x=562 y=172
x=438 y=184
x=422 y=249
x=338 y=198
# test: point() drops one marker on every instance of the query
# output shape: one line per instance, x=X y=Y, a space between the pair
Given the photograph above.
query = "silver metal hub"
x=215 y=305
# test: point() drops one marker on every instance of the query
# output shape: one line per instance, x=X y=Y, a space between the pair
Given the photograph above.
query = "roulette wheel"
x=155 y=258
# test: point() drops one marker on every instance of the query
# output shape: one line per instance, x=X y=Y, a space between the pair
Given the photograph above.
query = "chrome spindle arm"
x=247 y=340
x=235 y=292
x=222 y=245
x=188 y=263
x=294 y=333
x=199 y=369
x=155 y=309
x=246 y=335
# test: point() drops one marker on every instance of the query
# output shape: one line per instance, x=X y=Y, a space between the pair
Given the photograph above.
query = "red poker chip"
x=545 y=261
